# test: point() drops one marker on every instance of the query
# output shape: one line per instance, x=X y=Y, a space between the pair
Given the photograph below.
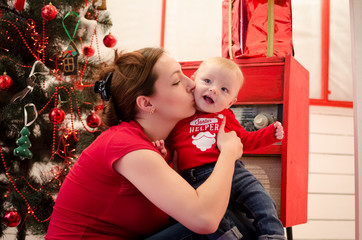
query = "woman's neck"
x=156 y=129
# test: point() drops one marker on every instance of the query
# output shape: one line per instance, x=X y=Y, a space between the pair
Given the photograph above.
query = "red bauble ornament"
x=88 y=51
x=5 y=82
x=56 y=115
x=19 y=5
x=93 y=120
x=12 y=218
x=49 y=12
x=109 y=41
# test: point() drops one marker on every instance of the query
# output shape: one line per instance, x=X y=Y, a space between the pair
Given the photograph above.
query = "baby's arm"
x=279 y=132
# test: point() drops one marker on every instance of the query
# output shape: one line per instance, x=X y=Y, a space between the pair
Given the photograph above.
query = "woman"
x=121 y=187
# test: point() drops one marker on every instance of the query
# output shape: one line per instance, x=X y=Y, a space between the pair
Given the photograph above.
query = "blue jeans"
x=179 y=232
x=247 y=196
x=176 y=232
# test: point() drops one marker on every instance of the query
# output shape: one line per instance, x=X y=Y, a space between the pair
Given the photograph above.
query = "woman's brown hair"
x=132 y=76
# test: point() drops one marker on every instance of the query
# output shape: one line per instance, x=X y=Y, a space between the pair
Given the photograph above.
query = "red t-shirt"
x=194 y=138
x=95 y=202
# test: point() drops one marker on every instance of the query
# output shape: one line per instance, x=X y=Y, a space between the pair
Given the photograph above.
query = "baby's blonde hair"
x=226 y=64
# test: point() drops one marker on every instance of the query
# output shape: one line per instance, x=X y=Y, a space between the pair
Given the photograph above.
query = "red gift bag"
x=235 y=28
x=250 y=28
x=257 y=30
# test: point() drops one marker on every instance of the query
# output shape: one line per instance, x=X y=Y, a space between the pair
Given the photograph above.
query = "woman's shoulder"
x=118 y=141
x=122 y=136
x=131 y=128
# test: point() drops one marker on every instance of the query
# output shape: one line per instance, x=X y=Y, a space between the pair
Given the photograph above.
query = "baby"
x=218 y=81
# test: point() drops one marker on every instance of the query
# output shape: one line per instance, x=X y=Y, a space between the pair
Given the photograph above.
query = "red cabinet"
x=278 y=87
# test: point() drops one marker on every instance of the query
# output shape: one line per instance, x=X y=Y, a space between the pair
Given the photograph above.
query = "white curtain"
x=340 y=56
x=193 y=33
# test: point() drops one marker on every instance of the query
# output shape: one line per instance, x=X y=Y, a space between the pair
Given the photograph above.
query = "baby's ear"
x=233 y=101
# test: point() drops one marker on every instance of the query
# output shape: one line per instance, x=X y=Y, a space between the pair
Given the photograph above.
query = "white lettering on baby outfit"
x=204 y=139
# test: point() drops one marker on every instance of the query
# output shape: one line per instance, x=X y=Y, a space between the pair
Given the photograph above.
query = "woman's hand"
x=229 y=141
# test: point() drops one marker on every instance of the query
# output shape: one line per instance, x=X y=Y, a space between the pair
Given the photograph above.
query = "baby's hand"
x=279 y=133
x=160 y=145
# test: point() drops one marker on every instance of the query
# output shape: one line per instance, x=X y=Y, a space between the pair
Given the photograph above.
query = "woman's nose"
x=190 y=85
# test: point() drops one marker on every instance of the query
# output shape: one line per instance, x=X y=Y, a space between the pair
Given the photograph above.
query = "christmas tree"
x=49 y=52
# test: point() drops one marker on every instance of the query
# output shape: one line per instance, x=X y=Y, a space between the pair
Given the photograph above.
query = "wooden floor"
x=10 y=234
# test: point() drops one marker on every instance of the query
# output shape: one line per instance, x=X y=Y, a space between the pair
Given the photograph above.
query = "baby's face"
x=216 y=88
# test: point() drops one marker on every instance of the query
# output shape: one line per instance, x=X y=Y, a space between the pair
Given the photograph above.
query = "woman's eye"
x=176 y=83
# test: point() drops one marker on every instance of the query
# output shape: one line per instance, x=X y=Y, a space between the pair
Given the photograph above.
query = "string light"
x=87 y=57
x=43 y=38
x=22 y=37
x=24 y=66
x=30 y=209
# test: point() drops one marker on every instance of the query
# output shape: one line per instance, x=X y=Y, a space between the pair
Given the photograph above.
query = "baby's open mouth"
x=208 y=99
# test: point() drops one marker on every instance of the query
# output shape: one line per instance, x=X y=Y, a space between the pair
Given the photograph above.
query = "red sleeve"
x=251 y=140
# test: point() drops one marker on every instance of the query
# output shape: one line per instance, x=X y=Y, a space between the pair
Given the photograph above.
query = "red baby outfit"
x=194 y=138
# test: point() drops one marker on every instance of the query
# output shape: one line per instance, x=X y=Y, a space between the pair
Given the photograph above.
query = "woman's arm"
x=199 y=210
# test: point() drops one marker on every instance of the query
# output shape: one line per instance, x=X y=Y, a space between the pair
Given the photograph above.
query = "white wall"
x=331 y=211
x=136 y=23
x=356 y=37
x=192 y=30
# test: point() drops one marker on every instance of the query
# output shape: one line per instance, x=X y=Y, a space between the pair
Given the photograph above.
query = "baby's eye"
x=224 y=89
x=207 y=80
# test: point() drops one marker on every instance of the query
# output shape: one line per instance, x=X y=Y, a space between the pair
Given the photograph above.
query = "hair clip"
x=103 y=87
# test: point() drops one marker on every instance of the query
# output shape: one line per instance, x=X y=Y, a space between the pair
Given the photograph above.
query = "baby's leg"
x=249 y=196
x=227 y=229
